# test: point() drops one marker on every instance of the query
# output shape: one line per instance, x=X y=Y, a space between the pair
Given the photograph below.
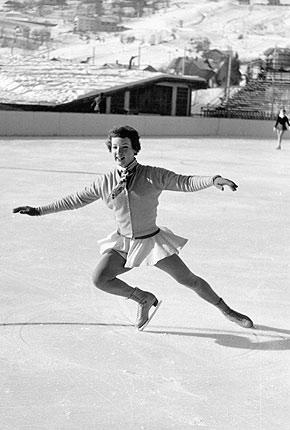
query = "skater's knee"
x=101 y=278
x=198 y=284
x=188 y=279
x=192 y=281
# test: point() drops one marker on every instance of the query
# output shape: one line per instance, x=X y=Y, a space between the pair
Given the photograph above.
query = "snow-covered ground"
x=247 y=30
x=173 y=32
x=70 y=356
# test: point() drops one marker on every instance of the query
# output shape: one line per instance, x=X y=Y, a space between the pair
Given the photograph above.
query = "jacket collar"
x=129 y=168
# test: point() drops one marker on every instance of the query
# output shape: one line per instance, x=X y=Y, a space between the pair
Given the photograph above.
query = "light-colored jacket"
x=135 y=208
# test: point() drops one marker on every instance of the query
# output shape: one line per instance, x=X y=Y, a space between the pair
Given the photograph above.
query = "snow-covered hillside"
x=248 y=30
x=155 y=40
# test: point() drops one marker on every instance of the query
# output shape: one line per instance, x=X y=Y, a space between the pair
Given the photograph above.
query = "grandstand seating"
x=259 y=99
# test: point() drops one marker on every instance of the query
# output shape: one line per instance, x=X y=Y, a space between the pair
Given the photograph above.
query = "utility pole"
x=274 y=65
x=183 y=60
x=183 y=63
x=139 y=55
x=228 y=81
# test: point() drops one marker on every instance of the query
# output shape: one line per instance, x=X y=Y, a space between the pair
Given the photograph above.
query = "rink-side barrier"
x=15 y=123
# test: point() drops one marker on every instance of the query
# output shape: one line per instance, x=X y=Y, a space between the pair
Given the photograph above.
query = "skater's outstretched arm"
x=73 y=201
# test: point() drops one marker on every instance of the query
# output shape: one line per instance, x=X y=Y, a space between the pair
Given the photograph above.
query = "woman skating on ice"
x=281 y=125
x=131 y=190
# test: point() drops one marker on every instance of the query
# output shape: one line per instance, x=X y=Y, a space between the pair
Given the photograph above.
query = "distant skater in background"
x=281 y=125
x=132 y=190
x=98 y=102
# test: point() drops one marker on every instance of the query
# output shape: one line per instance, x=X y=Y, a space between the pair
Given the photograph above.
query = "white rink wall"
x=74 y=124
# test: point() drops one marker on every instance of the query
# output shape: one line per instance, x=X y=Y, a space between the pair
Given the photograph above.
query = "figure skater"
x=281 y=125
x=131 y=190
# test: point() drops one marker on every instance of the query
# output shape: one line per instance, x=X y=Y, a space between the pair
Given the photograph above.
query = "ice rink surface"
x=70 y=356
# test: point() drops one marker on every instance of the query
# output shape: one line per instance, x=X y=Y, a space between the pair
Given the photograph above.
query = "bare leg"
x=279 y=136
x=105 y=275
x=105 y=278
x=176 y=268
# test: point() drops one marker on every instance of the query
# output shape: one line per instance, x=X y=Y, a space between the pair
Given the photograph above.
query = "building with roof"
x=158 y=95
x=95 y=24
x=123 y=91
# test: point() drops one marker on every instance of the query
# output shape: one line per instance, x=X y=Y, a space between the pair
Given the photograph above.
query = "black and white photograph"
x=144 y=168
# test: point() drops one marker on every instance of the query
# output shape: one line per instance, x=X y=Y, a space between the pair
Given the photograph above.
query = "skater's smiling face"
x=124 y=143
x=122 y=151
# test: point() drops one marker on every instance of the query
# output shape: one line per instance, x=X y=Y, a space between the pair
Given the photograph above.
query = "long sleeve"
x=168 y=180
x=73 y=201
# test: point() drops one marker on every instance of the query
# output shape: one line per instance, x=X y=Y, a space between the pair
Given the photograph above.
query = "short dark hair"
x=124 y=131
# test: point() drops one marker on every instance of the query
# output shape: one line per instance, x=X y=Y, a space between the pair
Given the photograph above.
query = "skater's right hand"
x=27 y=210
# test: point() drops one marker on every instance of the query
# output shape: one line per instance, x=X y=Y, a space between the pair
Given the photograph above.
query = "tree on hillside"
x=140 y=5
x=235 y=74
x=26 y=32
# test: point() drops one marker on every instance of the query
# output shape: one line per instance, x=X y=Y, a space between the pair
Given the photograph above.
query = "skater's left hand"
x=220 y=182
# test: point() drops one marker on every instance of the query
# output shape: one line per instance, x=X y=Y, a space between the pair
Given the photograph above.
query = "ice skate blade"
x=151 y=316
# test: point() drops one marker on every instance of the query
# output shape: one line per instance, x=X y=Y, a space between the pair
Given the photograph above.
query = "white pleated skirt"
x=144 y=252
